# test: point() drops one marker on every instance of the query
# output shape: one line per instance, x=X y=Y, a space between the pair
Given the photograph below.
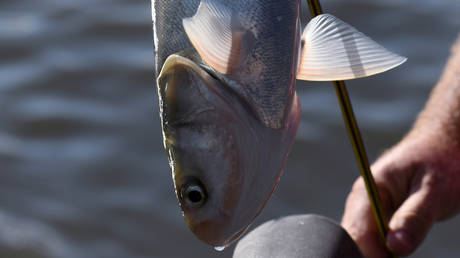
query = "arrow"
x=358 y=146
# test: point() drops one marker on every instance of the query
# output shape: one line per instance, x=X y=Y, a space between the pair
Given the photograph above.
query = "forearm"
x=441 y=115
x=437 y=129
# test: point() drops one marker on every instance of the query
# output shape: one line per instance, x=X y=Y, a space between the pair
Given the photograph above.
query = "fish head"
x=225 y=162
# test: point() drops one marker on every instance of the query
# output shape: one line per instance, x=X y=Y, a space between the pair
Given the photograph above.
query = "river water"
x=83 y=170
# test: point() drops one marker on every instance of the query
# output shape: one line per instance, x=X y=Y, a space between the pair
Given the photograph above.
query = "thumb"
x=411 y=223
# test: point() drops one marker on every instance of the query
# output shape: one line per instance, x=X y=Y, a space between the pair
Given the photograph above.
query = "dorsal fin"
x=334 y=50
x=215 y=36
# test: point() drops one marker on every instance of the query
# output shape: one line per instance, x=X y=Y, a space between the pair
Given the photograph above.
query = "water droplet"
x=219 y=248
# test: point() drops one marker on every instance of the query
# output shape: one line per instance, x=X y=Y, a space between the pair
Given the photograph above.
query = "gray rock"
x=298 y=236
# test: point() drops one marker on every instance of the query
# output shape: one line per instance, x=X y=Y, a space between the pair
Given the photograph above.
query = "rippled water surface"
x=84 y=172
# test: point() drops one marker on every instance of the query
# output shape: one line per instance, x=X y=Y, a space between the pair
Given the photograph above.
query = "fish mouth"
x=188 y=68
x=232 y=90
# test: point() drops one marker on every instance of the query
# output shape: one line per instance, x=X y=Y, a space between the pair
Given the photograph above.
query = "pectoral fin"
x=334 y=50
x=215 y=36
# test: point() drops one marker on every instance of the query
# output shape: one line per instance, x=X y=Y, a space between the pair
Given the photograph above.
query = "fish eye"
x=193 y=194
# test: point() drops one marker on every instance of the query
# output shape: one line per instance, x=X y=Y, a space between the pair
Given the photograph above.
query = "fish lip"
x=175 y=60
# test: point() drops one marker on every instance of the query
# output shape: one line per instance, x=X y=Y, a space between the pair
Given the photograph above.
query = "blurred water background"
x=83 y=170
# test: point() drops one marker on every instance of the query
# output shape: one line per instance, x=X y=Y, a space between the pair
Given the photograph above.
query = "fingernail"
x=399 y=242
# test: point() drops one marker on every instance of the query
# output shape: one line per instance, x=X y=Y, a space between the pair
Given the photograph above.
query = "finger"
x=411 y=222
x=359 y=222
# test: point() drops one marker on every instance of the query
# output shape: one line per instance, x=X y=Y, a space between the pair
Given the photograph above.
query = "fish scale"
x=270 y=22
x=169 y=34
x=270 y=87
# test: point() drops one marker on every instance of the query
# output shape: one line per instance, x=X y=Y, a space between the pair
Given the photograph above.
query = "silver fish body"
x=227 y=137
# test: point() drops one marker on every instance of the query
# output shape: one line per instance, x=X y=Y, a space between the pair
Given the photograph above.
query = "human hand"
x=418 y=179
x=419 y=183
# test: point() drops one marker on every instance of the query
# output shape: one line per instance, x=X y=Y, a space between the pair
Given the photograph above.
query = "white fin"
x=333 y=50
x=213 y=35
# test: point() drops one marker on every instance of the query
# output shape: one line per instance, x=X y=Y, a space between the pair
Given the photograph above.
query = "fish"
x=226 y=75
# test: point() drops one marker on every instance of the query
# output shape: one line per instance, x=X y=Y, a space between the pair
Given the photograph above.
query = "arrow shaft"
x=357 y=143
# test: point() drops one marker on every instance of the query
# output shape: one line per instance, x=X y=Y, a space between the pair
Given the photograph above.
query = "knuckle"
x=420 y=219
x=358 y=186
